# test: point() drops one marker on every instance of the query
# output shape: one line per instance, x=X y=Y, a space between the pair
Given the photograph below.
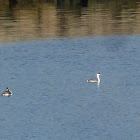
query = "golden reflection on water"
x=48 y=20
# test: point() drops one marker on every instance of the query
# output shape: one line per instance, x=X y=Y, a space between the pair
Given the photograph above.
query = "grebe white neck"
x=98 y=78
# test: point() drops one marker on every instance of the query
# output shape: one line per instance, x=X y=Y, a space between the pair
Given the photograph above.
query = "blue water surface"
x=51 y=99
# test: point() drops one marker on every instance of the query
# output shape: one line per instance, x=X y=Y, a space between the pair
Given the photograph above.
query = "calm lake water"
x=47 y=71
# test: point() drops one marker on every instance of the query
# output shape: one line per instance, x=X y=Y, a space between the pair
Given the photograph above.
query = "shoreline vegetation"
x=82 y=3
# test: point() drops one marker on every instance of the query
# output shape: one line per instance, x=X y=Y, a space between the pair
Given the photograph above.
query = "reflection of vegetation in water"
x=119 y=3
x=115 y=6
x=51 y=18
x=107 y=4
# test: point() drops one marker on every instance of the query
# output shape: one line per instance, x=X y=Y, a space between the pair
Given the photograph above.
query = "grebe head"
x=98 y=73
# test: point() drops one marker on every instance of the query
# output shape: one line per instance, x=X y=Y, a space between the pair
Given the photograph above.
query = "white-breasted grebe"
x=7 y=92
x=95 y=80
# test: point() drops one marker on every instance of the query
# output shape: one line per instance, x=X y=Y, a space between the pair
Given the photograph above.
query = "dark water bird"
x=95 y=80
x=7 y=92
